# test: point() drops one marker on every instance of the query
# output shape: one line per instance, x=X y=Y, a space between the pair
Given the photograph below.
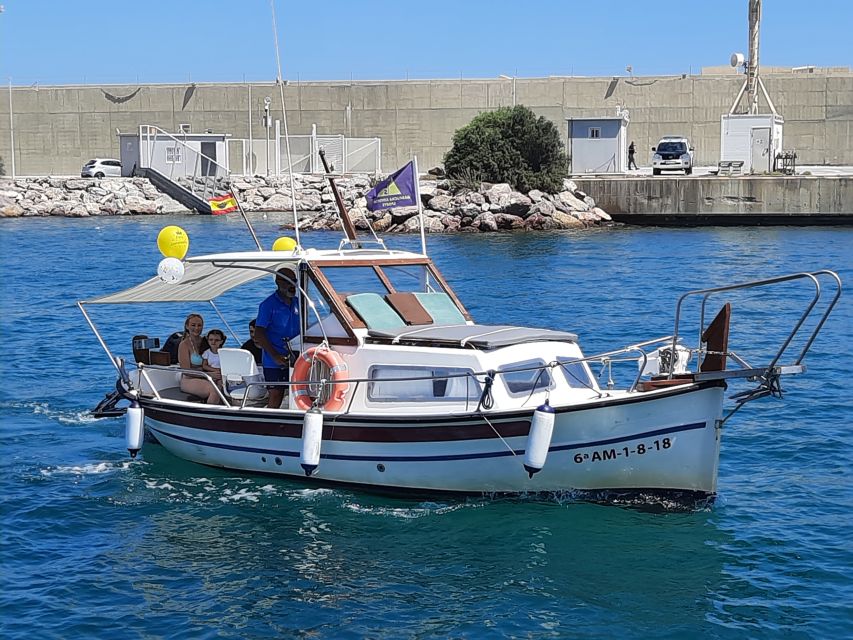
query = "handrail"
x=201 y=184
x=706 y=293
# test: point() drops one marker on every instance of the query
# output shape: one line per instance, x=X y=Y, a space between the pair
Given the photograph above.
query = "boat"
x=398 y=389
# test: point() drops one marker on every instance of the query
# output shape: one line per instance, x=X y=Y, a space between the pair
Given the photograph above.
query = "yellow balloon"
x=173 y=242
x=284 y=244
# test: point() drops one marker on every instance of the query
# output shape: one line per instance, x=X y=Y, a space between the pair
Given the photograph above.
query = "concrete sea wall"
x=58 y=128
x=747 y=199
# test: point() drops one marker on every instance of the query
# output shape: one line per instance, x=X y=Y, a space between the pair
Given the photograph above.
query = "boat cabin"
x=405 y=338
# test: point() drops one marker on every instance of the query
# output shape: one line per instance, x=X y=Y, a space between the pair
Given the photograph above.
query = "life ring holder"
x=338 y=371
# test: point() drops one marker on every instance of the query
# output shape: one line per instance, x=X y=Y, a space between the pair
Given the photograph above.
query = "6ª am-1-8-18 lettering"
x=641 y=449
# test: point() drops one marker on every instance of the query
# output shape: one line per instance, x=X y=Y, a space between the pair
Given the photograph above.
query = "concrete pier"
x=754 y=200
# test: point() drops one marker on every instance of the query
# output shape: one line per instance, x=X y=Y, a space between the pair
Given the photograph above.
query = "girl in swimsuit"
x=189 y=357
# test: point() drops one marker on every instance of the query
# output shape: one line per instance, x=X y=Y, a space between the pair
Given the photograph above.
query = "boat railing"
x=772 y=366
x=483 y=380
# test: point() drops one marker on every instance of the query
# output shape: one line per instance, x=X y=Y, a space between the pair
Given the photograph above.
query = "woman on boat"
x=189 y=357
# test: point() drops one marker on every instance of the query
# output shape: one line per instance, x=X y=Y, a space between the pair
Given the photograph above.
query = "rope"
x=486 y=399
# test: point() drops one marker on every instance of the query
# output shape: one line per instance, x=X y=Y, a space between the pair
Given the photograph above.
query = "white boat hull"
x=643 y=441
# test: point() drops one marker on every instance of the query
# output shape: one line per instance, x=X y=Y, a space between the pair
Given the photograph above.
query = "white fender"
x=539 y=438
x=312 y=436
x=134 y=429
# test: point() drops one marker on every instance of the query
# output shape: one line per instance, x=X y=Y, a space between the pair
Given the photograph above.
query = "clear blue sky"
x=129 y=41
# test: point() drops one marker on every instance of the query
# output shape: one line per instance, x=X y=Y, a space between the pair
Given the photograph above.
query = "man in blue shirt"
x=277 y=322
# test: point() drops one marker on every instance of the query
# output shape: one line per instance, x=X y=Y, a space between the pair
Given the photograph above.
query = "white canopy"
x=208 y=277
x=204 y=279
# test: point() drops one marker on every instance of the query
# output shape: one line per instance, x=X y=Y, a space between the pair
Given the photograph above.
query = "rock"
x=519 y=204
x=450 y=223
x=310 y=202
x=441 y=203
x=277 y=202
x=427 y=191
x=485 y=222
x=602 y=214
x=134 y=204
x=508 y=221
x=9 y=208
x=498 y=191
x=569 y=185
x=402 y=214
x=267 y=192
x=571 y=201
x=165 y=204
x=382 y=223
x=589 y=202
x=543 y=208
x=76 y=184
x=475 y=197
x=567 y=221
x=536 y=196
x=538 y=222
x=438 y=172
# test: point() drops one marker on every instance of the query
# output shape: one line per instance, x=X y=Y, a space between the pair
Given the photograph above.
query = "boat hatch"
x=476 y=336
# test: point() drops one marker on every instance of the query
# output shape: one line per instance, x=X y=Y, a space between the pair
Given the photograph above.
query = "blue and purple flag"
x=397 y=190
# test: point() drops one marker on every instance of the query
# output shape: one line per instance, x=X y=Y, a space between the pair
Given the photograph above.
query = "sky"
x=156 y=41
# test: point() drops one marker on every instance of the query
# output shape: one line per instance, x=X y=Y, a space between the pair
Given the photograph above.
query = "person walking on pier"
x=631 y=160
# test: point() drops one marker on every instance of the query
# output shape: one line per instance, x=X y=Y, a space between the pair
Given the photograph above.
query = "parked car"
x=672 y=153
x=100 y=167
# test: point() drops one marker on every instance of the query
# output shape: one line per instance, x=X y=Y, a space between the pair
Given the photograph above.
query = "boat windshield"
x=403 y=278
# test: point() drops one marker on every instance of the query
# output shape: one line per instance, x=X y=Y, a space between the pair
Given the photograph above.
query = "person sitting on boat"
x=278 y=322
x=210 y=357
x=251 y=345
x=189 y=357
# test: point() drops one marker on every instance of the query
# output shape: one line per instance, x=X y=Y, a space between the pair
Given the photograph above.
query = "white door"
x=760 y=156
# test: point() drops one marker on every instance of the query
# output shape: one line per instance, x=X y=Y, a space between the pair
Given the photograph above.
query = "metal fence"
x=345 y=155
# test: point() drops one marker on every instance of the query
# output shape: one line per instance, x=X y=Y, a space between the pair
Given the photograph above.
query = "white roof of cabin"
x=208 y=277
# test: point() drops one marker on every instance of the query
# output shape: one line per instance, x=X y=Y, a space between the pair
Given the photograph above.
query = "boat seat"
x=440 y=308
x=375 y=312
x=407 y=305
x=238 y=369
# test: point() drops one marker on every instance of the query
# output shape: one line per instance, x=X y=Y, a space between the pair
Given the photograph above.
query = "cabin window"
x=525 y=377
x=323 y=322
x=576 y=373
x=594 y=133
x=346 y=280
x=432 y=384
x=412 y=278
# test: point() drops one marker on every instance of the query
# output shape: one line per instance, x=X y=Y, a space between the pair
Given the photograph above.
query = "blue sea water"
x=97 y=546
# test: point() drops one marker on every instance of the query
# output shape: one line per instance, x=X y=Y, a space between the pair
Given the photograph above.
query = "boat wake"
x=93 y=468
x=44 y=409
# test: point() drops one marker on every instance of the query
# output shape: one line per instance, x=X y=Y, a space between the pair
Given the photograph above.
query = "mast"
x=752 y=79
x=349 y=228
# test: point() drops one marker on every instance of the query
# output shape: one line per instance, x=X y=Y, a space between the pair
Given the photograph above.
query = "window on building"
x=594 y=132
x=174 y=155
x=184 y=128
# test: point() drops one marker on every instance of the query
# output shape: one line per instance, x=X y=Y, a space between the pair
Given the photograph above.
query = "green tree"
x=509 y=145
x=2 y=167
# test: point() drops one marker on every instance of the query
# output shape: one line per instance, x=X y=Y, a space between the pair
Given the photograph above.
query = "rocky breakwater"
x=491 y=207
x=82 y=197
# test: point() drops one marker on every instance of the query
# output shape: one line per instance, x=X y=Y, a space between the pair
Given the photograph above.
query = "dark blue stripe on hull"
x=465 y=456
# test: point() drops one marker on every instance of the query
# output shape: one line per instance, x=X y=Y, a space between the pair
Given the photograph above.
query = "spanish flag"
x=223 y=204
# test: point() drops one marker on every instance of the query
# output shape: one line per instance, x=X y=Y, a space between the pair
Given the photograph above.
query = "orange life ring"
x=337 y=370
